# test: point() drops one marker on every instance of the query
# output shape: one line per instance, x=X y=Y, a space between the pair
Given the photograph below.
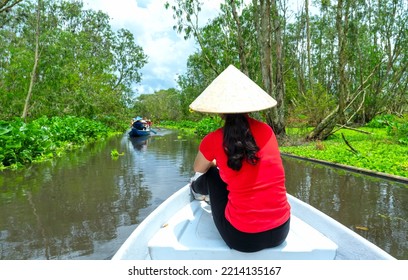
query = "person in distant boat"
x=138 y=124
x=239 y=166
x=149 y=123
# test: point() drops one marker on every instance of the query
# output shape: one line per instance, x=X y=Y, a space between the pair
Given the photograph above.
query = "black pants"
x=212 y=184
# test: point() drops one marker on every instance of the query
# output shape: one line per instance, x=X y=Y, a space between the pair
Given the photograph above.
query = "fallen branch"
x=349 y=145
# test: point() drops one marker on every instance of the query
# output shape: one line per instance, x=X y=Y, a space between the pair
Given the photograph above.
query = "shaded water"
x=84 y=205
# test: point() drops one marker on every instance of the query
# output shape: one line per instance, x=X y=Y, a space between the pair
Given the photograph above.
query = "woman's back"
x=257 y=199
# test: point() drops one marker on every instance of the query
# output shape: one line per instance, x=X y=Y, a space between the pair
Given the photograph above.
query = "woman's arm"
x=201 y=164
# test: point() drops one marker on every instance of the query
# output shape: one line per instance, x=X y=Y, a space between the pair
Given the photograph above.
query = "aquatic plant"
x=22 y=143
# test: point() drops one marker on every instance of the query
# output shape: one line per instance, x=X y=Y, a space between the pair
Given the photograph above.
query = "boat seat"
x=192 y=235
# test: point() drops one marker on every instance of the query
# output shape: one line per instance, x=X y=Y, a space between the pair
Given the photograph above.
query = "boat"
x=140 y=127
x=181 y=228
x=139 y=132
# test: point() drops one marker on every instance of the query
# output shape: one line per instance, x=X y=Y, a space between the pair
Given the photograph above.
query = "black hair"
x=239 y=143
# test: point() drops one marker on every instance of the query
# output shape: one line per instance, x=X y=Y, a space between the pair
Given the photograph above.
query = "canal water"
x=85 y=204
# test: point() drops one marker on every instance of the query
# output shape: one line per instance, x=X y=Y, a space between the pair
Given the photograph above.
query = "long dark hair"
x=238 y=142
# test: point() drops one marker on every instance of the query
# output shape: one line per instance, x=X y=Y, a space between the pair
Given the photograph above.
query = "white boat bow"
x=182 y=228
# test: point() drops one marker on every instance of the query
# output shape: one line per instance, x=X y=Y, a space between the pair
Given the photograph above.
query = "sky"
x=152 y=27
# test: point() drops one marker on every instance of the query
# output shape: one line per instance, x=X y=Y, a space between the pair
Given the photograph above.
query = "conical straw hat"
x=232 y=92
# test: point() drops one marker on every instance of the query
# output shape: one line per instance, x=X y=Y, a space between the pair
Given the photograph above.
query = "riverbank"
x=365 y=149
x=364 y=171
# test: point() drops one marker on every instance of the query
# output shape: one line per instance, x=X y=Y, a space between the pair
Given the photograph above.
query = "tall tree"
x=326 y=126
x=269 y=35
x=35 y=64
x=308 y=46
x=240 y=39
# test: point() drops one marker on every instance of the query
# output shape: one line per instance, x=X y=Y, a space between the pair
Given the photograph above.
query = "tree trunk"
x=309 y=60
x=341 y=36
x=36 y=57
x=278 y=124
x=263 y=10
x=241 y=46
x=325 y=127
x=263 y=27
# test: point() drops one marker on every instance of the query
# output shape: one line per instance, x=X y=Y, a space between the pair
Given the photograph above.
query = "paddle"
x=153 y=131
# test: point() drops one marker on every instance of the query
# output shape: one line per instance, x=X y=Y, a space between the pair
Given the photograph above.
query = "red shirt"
x=257 y=195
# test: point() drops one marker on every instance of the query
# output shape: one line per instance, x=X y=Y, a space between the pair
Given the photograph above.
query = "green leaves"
x=85 y=67
x=207 y=125
x=44 y=138
x=201 y=128
x=397 y=127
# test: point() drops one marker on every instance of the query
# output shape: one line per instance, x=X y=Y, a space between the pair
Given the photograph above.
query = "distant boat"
x=140 y=127
x=139 y=132
x=182 y=228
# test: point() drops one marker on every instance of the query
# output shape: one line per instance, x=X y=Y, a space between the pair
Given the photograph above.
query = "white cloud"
x=152 y=26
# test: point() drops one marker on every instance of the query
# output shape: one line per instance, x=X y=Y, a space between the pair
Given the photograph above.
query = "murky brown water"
x=84 y=205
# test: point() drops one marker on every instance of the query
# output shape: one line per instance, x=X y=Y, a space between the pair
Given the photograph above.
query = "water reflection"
x=375 y=208
x=84 y=205
x=63 y=208
x=140 y=143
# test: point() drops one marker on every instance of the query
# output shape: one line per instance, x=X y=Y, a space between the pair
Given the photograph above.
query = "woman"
x=241 y=167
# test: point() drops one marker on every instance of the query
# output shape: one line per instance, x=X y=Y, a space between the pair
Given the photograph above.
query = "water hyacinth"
x=22 y=143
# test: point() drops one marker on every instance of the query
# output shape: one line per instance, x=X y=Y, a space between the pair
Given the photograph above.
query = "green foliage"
x=310 y=108
x=376 y=151
x=115 y=154
x=399 y=131
x=22 y=143
x=381 y=121
x=186 y=127
x=184 y=11
x=200 y=128
x=207 y=125
x=178 y=124
x=161 y=105
x=85 y=68
x=395 y=126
